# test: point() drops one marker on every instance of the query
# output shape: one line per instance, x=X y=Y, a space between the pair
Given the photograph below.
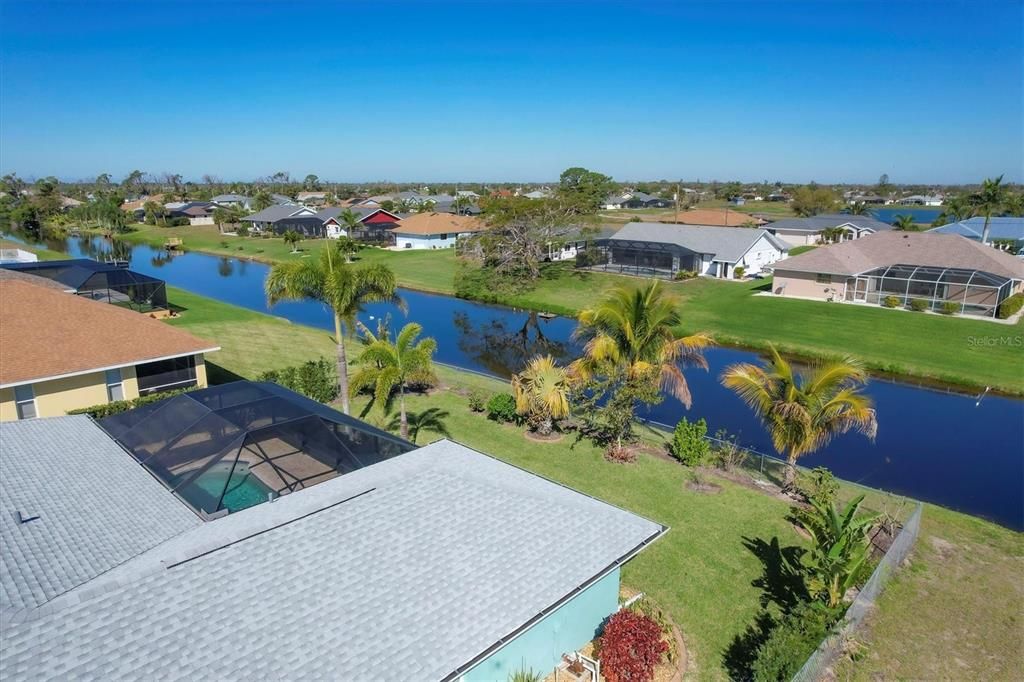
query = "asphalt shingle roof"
x=408 y=568
x=823 y=222
x=97 y=508
x=727 y=244
x=998 y=228
x=271 y=214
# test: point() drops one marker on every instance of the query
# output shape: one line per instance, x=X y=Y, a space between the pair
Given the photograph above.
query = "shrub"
x=792 y=641
x=689 y=444
x=685 y=274
x=1011 y=306
x=727 y=453
x=950 y=308
x=631 y=647
x=919 y=304
x=242 y=230
x=738 y=271
x=502 y=408
x=818 y=485
x=223 y=244
x=648 y=608
x=119 y=406
x=316 y=379
x=525 y=676
x=891 y=301
x=477 y=400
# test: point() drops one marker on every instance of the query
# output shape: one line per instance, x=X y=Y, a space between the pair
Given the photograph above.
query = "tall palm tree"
x=803 y=413
x=387 y=367
x=542 y=393
x=989 y=200
x=343 y=288
x=349 y=220
x=631 y=332
x=858 y=208
x=957 y=208
x=905 y=223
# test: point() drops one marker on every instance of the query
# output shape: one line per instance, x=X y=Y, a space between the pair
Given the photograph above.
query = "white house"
x=434 y=230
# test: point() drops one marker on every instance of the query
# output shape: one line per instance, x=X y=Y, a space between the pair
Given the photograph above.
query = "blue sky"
x=514 y=91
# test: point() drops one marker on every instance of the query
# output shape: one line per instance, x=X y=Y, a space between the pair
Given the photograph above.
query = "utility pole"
x=678 y=185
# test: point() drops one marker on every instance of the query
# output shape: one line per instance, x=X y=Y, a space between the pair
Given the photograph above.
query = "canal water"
x=940 y=446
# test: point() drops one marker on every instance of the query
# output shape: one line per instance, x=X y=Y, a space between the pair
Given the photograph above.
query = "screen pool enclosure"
x=229 y=447
x=107 y=282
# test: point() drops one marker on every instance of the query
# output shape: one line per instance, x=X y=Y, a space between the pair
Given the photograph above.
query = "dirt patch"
x=538 y=438
x=706 y=487
x=943 y=548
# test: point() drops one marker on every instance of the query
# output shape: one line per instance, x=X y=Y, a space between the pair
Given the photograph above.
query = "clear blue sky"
x=491 y=91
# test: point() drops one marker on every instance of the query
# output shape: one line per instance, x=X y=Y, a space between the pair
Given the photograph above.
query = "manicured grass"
x=427 y=270
x=797 y=250
x=955 y=612
x=950 y=614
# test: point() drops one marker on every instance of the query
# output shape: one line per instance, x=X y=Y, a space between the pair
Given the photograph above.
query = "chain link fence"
x=818 y=666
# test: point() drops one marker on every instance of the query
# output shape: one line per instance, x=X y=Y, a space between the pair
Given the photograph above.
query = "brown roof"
x=47 y=333
x=141 y=203
x=905 y=248
x=438 y=223
x=714 y=216
x=17 y=275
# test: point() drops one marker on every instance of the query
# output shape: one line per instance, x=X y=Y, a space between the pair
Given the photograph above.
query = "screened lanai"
x=107 y=282
x=229 y=447
x=640 y=258
x=974 y=291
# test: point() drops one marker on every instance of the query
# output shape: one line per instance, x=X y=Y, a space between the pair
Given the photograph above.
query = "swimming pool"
x=240 y=489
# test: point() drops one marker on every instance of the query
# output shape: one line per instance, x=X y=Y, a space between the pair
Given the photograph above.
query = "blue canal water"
x=924 y=216
x=934 y=445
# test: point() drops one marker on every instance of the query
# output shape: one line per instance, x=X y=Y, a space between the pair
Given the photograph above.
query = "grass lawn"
x=44 y=254
x=703 y=570
x=797 y=250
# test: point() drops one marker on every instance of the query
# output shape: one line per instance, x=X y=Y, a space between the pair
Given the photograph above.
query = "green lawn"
x=703 y=571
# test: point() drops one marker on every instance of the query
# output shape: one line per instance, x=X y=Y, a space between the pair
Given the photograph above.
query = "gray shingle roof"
x=726 y=244
x=97 y=508
x=822 y=222
x=410 y=567
x=277 y=212
x=998 y=228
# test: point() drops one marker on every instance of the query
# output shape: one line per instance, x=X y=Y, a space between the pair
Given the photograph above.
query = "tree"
x=388 y=366
x=1014 y=204
x=883 y=187
x=174 y=181
x=905 y=223
x=262 y=200
x=858 y=208
x=133 y=183
x=344 y=288
x=520 y=233
x=812 y=200
x=292 y=238
x=351 y=222
x=803 y=413
x=839 y=547
x=989 y=200
x=542 y=392
x=311 y=183
x=631 y=351
x=346 y=247
x=462 y=204
x=221 y=216
x=585 y=190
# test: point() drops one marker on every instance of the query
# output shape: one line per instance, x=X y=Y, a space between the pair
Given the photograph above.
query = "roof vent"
x=23 y=517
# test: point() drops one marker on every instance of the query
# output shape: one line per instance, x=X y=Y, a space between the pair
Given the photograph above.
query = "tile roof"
x=46 y=333
x=998 y=228
x=904 y=248
x=417 y=564
x=97 y=508
x=714 y=216
x=727 y=244
x=438 y=223
x=823 y=222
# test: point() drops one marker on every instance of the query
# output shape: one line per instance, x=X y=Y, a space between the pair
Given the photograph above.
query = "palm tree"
x=905 y=223
x=293 y=238
x=345 y=289
x=350 y=220
x=858 y=208
x=804 y=413
x=388 y=367
x=262 y=200
x=957 y=208
x=630 y=333
x=542 y=393
x=989 y=200
x=839 y=547
x=221 y=216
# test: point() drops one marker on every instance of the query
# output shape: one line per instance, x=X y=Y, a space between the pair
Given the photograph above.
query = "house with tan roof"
x=434 y=230
x=62 y=352
x=946 y=272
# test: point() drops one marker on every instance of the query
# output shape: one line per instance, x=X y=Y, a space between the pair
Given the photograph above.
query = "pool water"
x=243 y=490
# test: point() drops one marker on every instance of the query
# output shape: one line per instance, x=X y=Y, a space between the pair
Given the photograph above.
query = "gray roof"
x=335 y=211
x=277 y=212
x=229 y=198
x=726 y=244
x=823 y=222
x=282 y=199
x=97 y=508
x=417 y=564
x=998 y=228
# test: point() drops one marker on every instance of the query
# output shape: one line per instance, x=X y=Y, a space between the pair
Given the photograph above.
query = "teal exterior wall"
x=567 y=629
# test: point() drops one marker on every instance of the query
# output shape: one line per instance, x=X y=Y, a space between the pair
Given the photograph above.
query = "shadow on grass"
x=431 y=419
x=782 y=590
x=215 y=374
x=767 y=286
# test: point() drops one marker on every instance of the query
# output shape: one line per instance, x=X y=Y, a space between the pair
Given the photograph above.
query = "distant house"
x=920 y=200
x=804 y=231
x=67 y=203
x=538 y=194
x=867 y=199
x=279 y=219
x=282 y=200
x=571 y=244
x=197 y=212
x=643 y=200
x=232 y=200
x=615 y=201
x=901 y=267
x=64 y=352
x=434 y=230
x=1006 y=233
x=311 y=198
x=660 y=250
x=375 y=224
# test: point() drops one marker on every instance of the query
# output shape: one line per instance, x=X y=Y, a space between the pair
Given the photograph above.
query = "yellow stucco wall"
x=59 y=396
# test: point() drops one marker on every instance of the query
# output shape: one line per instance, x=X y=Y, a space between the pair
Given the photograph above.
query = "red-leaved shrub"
x=631 y=647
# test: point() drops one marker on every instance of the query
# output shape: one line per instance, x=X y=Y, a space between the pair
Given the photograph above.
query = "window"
x=25 y=401
x=823 y=279
x=444 y=235
x=165 y=375
x=115 y=388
